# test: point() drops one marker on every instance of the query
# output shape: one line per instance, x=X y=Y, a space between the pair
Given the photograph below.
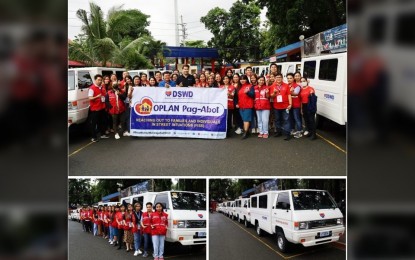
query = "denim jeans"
x=282 y=121
x=147 y=239
x=111 y=233
x=95 y=229
x=158 y=245
x=137 y=240
x=297 y=119
x=263 y=118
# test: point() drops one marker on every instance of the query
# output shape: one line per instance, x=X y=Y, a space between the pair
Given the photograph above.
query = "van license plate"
x=201 y=234
x=325 y=234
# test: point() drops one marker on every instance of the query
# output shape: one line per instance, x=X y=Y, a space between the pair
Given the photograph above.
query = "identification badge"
x=102 y=99
x=279 y=99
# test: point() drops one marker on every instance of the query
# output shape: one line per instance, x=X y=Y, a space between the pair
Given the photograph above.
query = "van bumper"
x=187 y=237
x=311 y=237
x=77 y=116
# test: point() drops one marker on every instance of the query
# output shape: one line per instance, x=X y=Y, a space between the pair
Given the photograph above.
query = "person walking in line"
x=137 y=230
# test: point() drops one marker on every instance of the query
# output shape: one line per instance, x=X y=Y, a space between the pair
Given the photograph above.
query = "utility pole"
x=176 y=22
x=184 y=34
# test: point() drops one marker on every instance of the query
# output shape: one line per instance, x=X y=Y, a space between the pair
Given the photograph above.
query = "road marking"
x=83 y=147
x=259 y=240
x=330 y=142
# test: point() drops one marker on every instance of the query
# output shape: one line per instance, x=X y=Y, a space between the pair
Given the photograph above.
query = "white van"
x=307 y=217
x=239 y=71
x=74 y=215
x=287 y=67
x=328 y=76
x=79 y=81
x=186 y=216
x=110 y=203
x=230 y=207
x=142 y=198
x=242 y=211
x=149 y=72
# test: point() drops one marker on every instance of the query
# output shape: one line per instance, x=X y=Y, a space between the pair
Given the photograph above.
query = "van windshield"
x=188 y=201
x=306 y=200
x=71 y=80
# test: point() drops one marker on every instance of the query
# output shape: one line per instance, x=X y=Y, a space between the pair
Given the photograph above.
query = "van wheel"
x=282 y=242
x=258 y=230
x=246 y=222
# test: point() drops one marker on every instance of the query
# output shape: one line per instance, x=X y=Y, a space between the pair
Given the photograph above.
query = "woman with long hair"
x=202 y=83
x=152 y=82
x=137 y=231
x=120 y=218
x=236 y=115
x=309 y=116
x=245 y=103
x=262 y=107
x=146 y=226
x=129 y=225
x=159 y=224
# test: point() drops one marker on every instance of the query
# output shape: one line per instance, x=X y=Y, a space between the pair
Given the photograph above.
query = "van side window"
x=254 y=202
x=298 y=68
x=151 y=74
x=119 y=74
x=163 y=198
x=310 y=69
x=279 y=68
x=377 y=29
x=84 y=79
x=139 y=200
x=328 y=69
x=107 y=73
x=404 y=35
x=283 y=201
x=71 y=80
x=263 y=201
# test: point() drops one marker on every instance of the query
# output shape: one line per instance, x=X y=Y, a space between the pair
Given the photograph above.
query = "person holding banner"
x=143 y=80
x=152 y=82
x=262 y=107
x=202 y=83
x=211 y=82
x=167 y=82
x=186 y=79
x=245 y=103
x=231 y=106
x=158 y=77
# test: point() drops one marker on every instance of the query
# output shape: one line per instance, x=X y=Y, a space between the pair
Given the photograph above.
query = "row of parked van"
x=307 y=217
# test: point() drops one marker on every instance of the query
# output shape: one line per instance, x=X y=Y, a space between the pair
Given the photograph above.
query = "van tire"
x=258 y=230
x=246 y=222
x=282 y=242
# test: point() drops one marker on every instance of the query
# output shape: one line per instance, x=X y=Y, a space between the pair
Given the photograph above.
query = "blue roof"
x=282 y=56
x=190 y=52
x=245 y=193
x=288 y=48
x=108 y=197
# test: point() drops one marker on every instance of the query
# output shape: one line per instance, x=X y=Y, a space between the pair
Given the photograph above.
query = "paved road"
x=230 y=240
x=86 y=246
x=325 y=156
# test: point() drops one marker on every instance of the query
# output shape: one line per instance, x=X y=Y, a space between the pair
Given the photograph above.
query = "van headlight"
x=179 y=223
x=340 y=221
x=300 y=225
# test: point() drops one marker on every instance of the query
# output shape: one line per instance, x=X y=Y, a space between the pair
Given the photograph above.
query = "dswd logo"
x=168 y=93
x=144 y=107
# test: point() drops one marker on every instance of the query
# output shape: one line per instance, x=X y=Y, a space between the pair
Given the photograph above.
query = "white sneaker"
x=306 y=132
x=126 y=133
x=117 y=136
x=136 y=253
x=238 y=131
x=111 y=243
x=253 y=130
x=139 y=252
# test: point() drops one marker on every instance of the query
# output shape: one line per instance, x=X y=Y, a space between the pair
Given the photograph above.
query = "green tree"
x=292 y=18
x=79 y=192
x=235 y=33
x=195 y=44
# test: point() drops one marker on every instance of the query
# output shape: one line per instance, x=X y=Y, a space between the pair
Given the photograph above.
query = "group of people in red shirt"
x=250 y=101
x=123 y=224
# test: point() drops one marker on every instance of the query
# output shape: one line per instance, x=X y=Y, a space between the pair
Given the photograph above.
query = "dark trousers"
x=238 y=119
x=309 y=120
x=282 y=121
x=88 y=226
x=230 y=117
x=120 y=237
x=119 y=119
x=97 y=123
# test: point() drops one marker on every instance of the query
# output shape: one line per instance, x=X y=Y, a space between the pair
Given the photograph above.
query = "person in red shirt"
x=88 y=219
x=143 y=80
x=120 y=218
x=236 y=115
x=114 y=225
x=231 y=94
x=282 y=102
x=146 y=226
x=262 y=107
x=245 y=103
x=296 y=121
x=105 y=214
x=309 y=117
x=128 y=228
x=82 y=218
x=96 y=95
x=116 y=107
x=158 y=223
x=202 y=83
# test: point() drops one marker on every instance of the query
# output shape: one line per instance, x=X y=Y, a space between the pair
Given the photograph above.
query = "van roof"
x=89 y=68
x=278 y=191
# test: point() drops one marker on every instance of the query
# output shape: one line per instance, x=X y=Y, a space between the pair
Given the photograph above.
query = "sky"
x=162 y=20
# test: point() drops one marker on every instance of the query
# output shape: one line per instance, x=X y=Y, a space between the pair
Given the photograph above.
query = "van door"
x=265 y=218
x=79 y=96
x=281 y=212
